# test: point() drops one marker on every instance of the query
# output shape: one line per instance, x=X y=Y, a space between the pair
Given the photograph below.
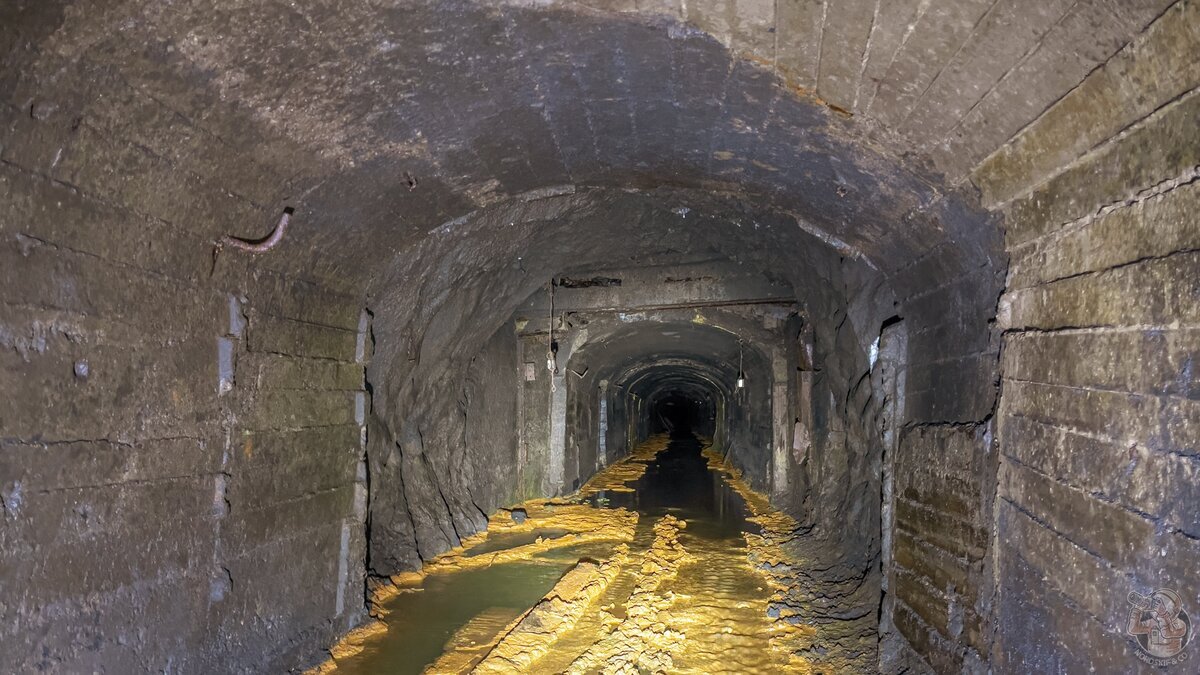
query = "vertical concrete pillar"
x=602 y=447
x=556 y=467
x=781 y=419
x=893 y=347
x=343 y=571
x=536 y=410
x=527 y=373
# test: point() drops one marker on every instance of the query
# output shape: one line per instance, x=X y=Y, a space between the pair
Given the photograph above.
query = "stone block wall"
x=943 y=458
x=1021 y=522
x=1100 y=407
x=170 y=427
x=939 y=579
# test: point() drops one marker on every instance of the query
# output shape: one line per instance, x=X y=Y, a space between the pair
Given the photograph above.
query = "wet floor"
x=674 y=590
x=679 y=481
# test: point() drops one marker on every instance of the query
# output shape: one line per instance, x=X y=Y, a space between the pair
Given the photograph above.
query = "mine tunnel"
x=490 y=336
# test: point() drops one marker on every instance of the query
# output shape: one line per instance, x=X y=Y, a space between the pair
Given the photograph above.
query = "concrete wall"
x=490 y=410
x=171 y=426
x=534 y=442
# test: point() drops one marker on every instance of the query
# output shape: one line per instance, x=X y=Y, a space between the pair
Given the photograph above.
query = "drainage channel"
x=647 y=568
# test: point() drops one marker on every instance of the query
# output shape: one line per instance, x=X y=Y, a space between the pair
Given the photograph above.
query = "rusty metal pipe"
x=260 y=245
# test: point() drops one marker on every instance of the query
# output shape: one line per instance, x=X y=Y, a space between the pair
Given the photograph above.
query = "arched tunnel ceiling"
x=444 y=158
x=652 y=377
x=428 y=146
x=439 y=304
x=382 y=121
x=683 y=382
x=648 y=357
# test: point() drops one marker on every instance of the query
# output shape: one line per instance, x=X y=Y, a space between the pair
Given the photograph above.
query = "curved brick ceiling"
x=395 y=119
x=439 y=153
x=445 y=159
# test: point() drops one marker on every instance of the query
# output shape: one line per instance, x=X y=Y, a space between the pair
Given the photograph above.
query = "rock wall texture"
x=1093 y=440
x=180 y=461
x=171 y=430
x=1098 y=422
x=202 y=455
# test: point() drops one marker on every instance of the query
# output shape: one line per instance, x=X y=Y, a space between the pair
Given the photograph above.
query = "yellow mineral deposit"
x=536 y=632
x=582 y=523
x=658 y=601
x=351 y=644
x=647 y=640
x=619 y=476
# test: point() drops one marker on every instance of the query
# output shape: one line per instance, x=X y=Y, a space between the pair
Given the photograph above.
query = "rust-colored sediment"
x=537 y=631
x=618 y=476
x=658 y=603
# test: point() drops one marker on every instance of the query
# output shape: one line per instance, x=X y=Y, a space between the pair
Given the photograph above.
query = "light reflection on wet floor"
x=505 y=541
x=717 y=600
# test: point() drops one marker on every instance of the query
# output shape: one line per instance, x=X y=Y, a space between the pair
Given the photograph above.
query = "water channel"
x=708 y=611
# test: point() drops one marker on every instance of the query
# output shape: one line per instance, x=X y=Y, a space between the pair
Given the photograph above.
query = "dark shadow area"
x=682 y=416
x=679 y=481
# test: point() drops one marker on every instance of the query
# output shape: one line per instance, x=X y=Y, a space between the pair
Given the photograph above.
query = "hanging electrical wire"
x=741 y=378
x=552 y=348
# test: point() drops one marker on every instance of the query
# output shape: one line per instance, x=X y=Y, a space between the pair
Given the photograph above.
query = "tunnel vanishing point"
x=297 y=295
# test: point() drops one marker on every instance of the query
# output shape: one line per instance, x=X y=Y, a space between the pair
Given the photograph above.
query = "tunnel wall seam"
x=1108 y=222
x=1098 y=414
x=177 y=482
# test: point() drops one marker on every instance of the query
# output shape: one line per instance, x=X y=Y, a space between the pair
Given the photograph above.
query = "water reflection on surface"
x=715 y=598
x=505 y=541
x=679 y=481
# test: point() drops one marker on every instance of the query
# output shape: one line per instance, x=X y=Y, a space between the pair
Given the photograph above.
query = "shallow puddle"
x=503 y=541
x=422 y=621
x=674 y=592
x=678 y=480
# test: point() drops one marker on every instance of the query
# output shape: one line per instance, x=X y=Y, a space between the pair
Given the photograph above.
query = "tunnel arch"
x=682 y=412
x=379 y=122
x=433 y=222
x=638 y=357
x=445 y=160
